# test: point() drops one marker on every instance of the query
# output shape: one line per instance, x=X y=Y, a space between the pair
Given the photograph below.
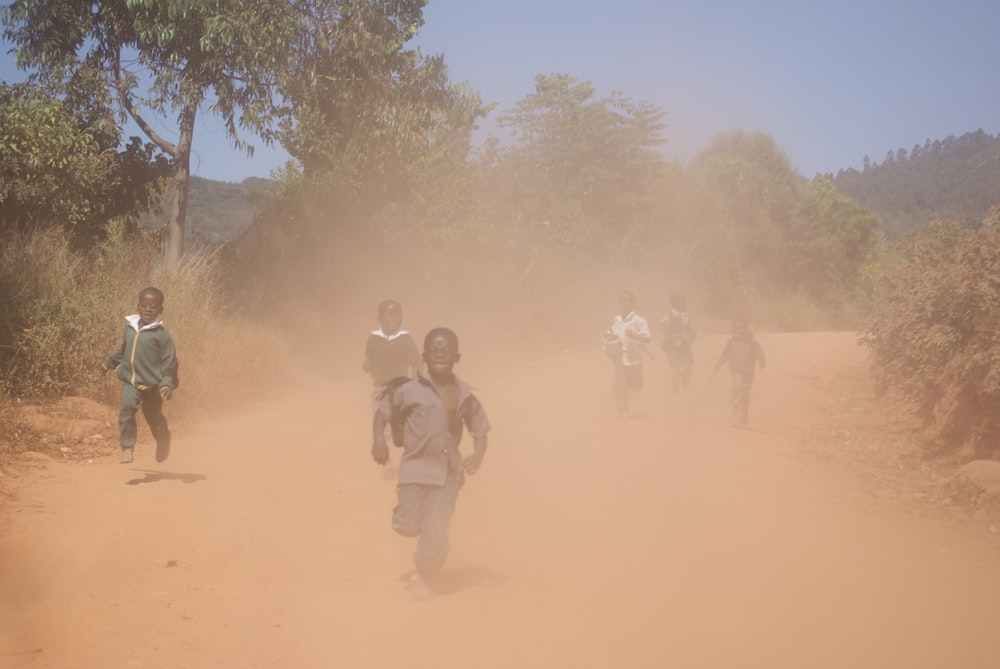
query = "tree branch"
x=126 y=101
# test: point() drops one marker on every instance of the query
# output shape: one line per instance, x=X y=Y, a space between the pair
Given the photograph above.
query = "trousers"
x=151 y=403
x=425 y=511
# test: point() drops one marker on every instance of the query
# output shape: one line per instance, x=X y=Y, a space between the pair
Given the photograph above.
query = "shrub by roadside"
x=63 y=312
x=934 y=335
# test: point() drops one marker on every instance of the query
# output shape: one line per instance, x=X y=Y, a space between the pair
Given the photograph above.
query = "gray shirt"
x=430 y=442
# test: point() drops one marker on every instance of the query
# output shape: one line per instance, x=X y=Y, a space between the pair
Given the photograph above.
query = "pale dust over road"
x=667 y=540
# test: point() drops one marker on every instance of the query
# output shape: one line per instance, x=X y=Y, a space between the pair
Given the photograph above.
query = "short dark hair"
x=155 y=292
x=385 y=304
x=447 y=333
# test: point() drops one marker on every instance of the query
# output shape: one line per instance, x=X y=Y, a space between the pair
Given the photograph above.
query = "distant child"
x=743 y=354
x=677 y=339
x=390 y=351
x=146 y=363
x=433 y=409
x=623 y=343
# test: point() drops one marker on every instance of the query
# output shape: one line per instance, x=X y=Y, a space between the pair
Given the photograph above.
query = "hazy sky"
x=830 y=81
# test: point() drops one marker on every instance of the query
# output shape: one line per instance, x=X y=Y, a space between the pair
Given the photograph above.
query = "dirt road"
x=670 y=539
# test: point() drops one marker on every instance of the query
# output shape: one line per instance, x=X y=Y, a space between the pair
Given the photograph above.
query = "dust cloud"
x=668 y=538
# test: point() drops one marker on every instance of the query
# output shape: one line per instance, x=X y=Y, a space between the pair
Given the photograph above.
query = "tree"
x=829 y=241
x=757 y=193
x=587 y=164
x=170 y=57
x=59 y=166
x=378 y=126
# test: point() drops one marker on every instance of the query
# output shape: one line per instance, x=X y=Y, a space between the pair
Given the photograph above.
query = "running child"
x=146 y=363
x=623 y=343
x=744 y=355
x=433 y=409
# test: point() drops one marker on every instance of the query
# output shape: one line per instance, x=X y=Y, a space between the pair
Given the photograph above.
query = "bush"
x=934 y=333
x=63 y=312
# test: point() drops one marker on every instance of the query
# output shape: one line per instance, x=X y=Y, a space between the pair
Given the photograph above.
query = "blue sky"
x=829 y=81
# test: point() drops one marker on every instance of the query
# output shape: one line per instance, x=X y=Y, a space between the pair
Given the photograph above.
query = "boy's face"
x=739 y=328
x=391 y=319
x=440 y=354
x=149 y=308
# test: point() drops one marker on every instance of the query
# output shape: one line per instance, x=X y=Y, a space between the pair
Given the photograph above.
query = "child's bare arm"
x=471 y=463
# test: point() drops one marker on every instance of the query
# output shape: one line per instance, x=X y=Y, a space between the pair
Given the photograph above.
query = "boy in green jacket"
x=146 y=363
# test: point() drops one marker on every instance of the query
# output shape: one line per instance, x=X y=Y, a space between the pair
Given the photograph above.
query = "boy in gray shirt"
x=428 y=415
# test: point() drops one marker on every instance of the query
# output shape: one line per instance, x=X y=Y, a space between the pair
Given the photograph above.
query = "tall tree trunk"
x=182 y=180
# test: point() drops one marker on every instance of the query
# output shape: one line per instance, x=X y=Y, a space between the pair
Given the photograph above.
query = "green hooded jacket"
x=146 y=358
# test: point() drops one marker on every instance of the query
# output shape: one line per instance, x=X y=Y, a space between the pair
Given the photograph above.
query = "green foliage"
x=168 y=57
x=934 y=335
x=582 y=165
x=954 y=178
x=769 y=232
x=829 y=239
x=55 y=316
x=60 y=166
x=64 y=307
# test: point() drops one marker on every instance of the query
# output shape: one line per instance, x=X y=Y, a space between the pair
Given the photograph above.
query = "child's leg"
x=152 y=411
x=621 y=389
x=432 y=547
x=409 y=511
x=745 y=399
x=426 y=511
x=736 y=394
x=131 y=399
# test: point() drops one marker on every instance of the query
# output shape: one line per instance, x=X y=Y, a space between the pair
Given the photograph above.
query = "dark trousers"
x=152 y=410
x=628 y=379
x=425 y=511
x=681 y=361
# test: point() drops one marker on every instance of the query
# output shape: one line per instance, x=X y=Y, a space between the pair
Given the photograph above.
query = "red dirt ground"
x=670 y=539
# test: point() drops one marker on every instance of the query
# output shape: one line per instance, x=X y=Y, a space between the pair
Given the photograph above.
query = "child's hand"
x=472 y=462
x=166 y=392
x=380 y=452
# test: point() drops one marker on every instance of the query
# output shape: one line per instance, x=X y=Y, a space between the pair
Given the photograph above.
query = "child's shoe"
x=163 y=448
x=126 y=456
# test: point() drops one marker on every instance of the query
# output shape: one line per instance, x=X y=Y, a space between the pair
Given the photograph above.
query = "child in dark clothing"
x=433 y=409
x=743 y=354
x=390 y=351
x=146 y=363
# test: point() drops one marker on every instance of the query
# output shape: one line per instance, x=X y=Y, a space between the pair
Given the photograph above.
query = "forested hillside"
x=220 y=211
x=956 y=179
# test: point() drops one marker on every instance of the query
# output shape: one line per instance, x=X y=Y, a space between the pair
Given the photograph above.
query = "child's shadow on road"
x=154 y=476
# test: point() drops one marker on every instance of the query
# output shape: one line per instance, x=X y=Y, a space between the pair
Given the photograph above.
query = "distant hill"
x=218 y=211
x=956 y=178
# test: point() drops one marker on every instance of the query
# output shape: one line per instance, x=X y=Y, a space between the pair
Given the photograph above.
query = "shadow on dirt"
x=154 y=476
x=453 y=580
